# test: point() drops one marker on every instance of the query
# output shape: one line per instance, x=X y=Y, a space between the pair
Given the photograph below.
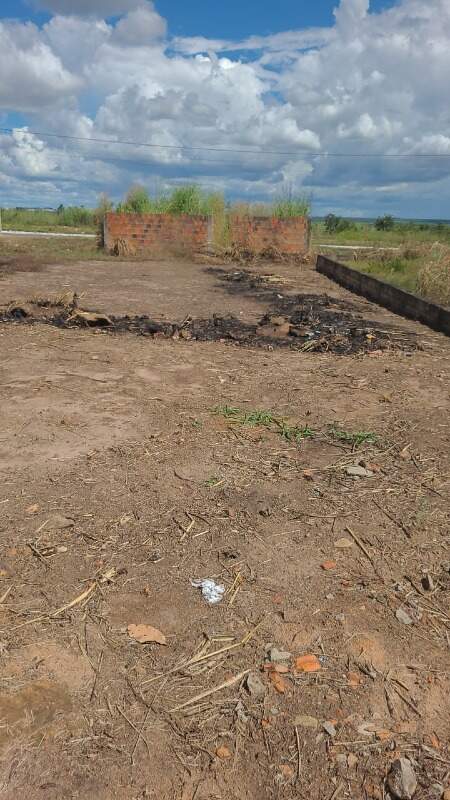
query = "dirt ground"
x=135 y=461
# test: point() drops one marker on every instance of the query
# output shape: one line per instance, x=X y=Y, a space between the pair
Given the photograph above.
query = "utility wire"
x=298 y=152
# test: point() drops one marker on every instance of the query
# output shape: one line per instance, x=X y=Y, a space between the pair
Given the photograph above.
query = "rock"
x=402 y=781
x=57 y=523
x=343 y=544
x=304 y=721
x=403 y=617
x=275 y=655
x=329 y=728
x=255 y=686
x=356 y=471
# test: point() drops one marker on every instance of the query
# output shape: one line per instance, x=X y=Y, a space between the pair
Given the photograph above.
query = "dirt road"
x=313 y=485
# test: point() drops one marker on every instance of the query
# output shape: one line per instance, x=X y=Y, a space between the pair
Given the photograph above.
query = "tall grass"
x=419 y=268
x=74 y=217
x=434 y=277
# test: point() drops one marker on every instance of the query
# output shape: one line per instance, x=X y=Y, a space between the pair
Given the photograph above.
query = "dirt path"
x=132 y=464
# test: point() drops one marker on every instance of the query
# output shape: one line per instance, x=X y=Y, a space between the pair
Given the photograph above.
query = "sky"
x=346 y=102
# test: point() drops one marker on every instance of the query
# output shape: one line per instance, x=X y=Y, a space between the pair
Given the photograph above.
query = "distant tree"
x=385 y=223
x=60 y=209
x=334 y=224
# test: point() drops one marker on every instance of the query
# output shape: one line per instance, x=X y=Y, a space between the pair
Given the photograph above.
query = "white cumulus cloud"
x=370 y=85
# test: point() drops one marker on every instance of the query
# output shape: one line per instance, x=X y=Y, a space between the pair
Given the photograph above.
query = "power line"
x=298 y=152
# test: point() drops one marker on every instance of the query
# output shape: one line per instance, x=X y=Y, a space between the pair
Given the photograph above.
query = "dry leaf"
x=308 y=663
x=383 y=735
x=287 y=771
x=282 y=669
x=435 y=741
x=405 y=454
x=32 y=509
x=308 y=474
x=353 y=679
x=277 y=599
x=278 y=682
x=329 y=565
x=145 y=634
x=223 y=752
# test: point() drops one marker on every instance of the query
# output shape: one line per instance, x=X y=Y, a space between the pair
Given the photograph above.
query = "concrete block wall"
x=260 y=233
x=156 y=232
x=396 y=300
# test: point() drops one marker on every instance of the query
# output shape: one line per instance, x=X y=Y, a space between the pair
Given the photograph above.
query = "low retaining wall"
x=144 y=233
x=261 y=233
x=156 y=232
x=384 y=294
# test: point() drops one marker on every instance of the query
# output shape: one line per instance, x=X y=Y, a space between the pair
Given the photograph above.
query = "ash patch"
x=308 y=323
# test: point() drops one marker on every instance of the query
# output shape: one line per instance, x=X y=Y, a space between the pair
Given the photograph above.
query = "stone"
x=275 y=655
x=58 y=522
x=356 y=471
x=305 y=721
x=329 y=728
x=255 y=686
x=401 y=780
x=403 y=617
x=343 y=544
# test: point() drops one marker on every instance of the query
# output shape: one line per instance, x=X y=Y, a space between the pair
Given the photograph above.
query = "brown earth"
x=131 y=464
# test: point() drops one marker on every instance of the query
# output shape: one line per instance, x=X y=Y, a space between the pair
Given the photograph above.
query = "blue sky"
x=291 y=84
x=232 y=19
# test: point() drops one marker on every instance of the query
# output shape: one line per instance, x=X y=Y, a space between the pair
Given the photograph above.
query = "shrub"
x=137 y=201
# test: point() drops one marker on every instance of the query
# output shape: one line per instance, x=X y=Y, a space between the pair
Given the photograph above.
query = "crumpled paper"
x=212 y=592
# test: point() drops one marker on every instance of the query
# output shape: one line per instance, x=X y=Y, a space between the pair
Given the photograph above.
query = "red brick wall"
x=167 y=233
x=156 y=232
x=259 y=233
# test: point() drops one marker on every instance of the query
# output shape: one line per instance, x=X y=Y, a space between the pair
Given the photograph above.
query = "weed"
x=355 y=439
x=265 y=419
x=212 y=482
x=227 y=411
x=295 y=433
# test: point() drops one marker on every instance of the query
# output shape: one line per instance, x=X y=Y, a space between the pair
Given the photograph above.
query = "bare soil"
x=131 y=464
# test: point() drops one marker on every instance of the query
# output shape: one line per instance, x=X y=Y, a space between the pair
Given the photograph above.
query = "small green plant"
x=295 y=433
x=355 y=439
x=265 y=419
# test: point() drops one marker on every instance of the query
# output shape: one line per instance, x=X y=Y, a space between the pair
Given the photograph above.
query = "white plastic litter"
x=211 y=591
